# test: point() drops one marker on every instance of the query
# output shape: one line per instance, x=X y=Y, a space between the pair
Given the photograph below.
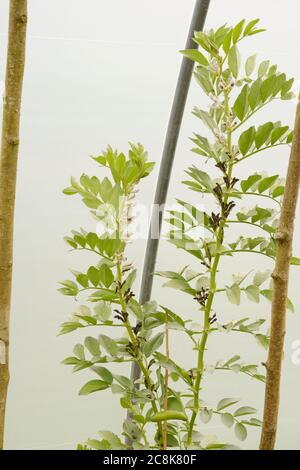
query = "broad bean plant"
x=166 y=406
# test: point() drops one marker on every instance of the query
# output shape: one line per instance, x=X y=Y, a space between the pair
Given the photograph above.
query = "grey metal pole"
x=182 y=88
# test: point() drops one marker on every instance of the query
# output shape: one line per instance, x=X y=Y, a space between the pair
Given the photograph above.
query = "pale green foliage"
x=105 y=289
x=237 y=92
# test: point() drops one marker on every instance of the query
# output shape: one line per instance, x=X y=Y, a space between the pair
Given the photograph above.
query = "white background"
x=103 y=72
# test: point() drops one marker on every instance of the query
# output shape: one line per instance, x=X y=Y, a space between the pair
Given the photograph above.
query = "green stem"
x=230 y=370
x=214 y=330
x=240 y=193
x=215 y=412
x=248 y=223
x=92 y=251
x=258 y=151
x=230 y=252
x=131 y=334
x=212 y=291
x=253 y=112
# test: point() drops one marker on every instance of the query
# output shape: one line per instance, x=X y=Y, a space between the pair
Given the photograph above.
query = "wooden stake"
x=284 y=239
x=8 y=170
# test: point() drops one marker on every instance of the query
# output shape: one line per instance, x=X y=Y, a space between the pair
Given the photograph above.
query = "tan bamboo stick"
x=8 y=169
x=284 y=239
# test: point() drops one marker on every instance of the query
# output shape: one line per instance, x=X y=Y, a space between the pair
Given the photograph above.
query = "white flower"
x=215 y=66
x=127 y=266
x=216 y=101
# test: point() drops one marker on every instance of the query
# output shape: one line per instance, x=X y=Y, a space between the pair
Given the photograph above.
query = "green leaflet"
x=234 y=61
x=234 y=294
x=175 y=404
x=92 y=344
x=264 y=89
x=93 y=386
x=246 y=140
x=264 y=137
x=227 y=419
x=206 y=415
x=153 y=344
x=195 y=55
x=226 y=402
x=206 y=118
x=108 y=344
x=237 y=31
x=244 y=410
x=250 y=65
x=241 y=104
x=253 y=293
x=260 y=184
x=240 y=431
x=203 y=78
x=103 y=373
x=263 y=133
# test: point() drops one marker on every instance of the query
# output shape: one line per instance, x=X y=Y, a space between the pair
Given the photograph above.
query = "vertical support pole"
x=8 y=173
x=284 y=241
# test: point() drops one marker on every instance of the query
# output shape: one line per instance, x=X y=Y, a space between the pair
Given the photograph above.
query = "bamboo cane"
x=284 y=239
x=8 y=170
